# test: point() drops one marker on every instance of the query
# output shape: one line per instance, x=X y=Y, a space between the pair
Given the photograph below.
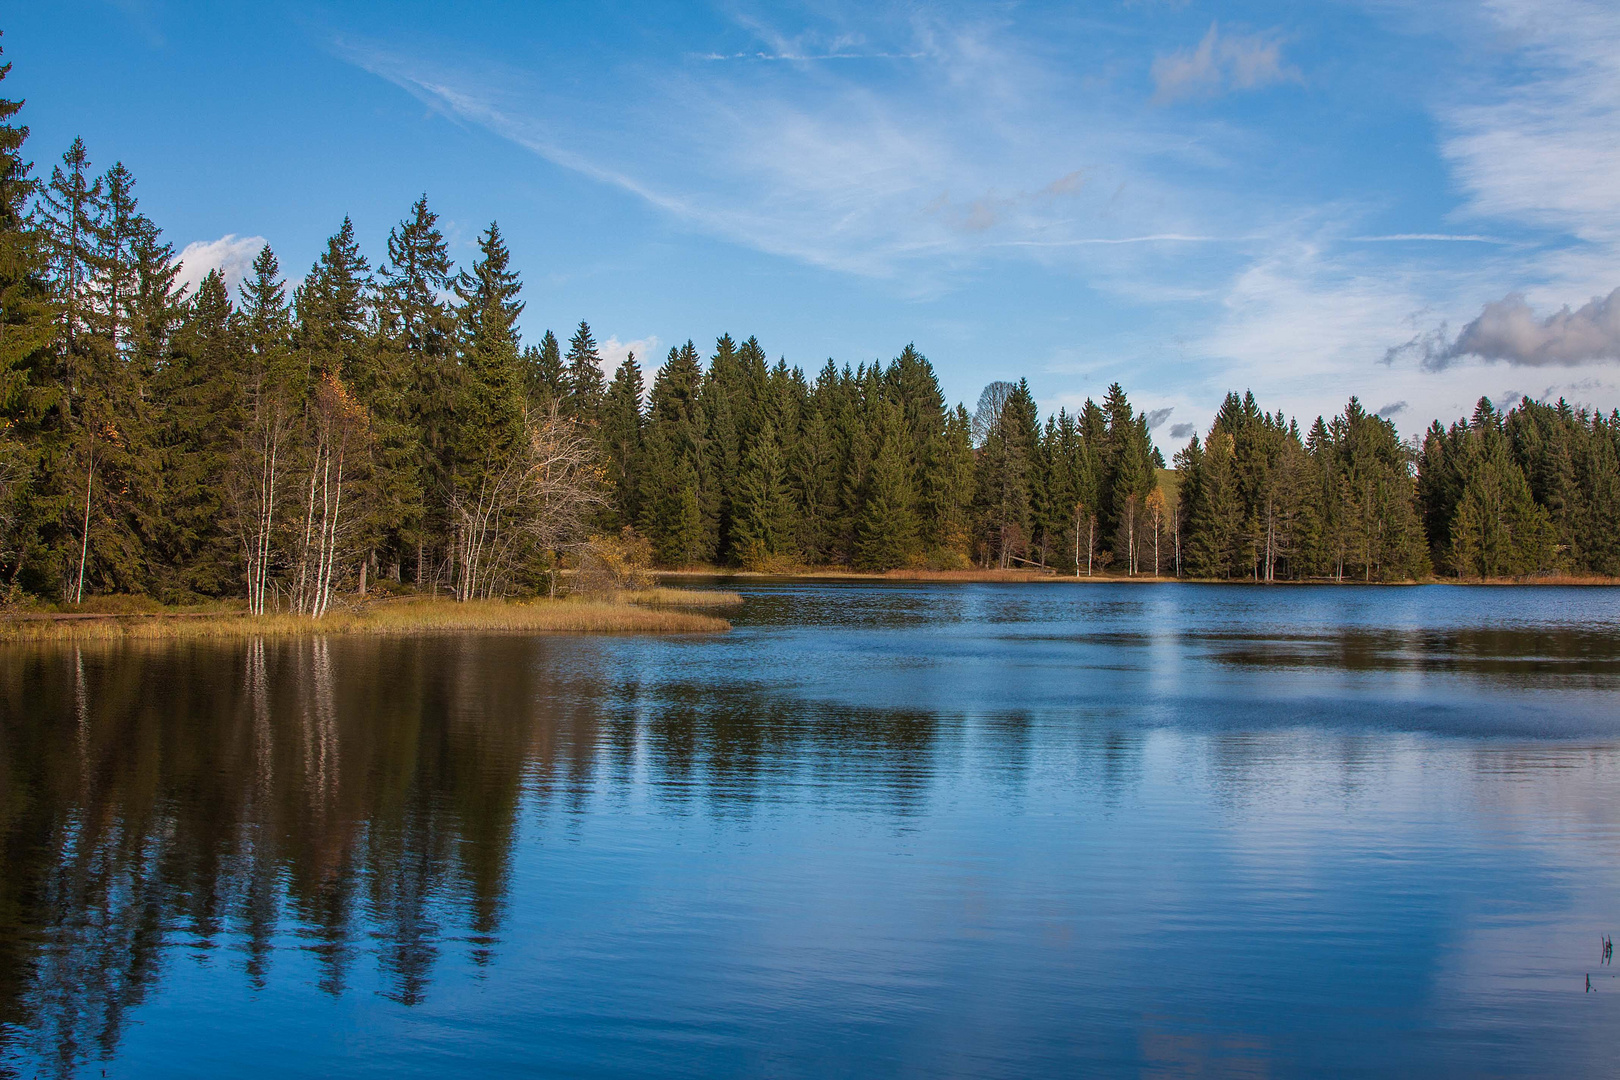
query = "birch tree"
x=340 y=431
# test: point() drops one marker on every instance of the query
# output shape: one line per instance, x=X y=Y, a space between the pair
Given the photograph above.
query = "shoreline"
x=660 y=611
x=813 y=574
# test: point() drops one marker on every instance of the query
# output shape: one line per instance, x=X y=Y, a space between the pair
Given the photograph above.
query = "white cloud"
x=1221 y=63
x=231 y=255
x=613 y=352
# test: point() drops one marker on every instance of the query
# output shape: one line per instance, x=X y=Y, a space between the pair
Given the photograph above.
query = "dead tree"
x=539 y=497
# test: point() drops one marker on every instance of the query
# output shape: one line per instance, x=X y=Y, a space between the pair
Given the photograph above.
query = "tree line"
x=1534 y=490
x=385 y=422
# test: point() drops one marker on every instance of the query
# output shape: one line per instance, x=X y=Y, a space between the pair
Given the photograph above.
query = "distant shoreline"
x=813 y=574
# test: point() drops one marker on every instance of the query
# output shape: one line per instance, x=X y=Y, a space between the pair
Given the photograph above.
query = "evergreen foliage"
x=387 y=424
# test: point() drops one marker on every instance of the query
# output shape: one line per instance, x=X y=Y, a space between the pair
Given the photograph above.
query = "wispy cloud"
x=1534 y=142
x=1542 y=144
x=1444 y=238
x=1221 y=63
x=1160 y=238
x=907 y=179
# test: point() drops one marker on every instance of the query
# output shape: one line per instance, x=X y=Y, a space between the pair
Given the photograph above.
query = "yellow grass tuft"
x=397 y=619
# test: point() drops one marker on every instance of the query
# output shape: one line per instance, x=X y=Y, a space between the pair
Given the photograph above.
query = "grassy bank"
x=682 y=598
x=396 y=618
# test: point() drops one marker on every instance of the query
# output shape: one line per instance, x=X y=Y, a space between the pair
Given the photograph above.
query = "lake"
x=878 y=829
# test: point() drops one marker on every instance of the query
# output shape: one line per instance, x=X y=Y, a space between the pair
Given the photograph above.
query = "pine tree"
x=1007 y=459
x=1383 y=534
x=887 y=535
x=492 y=395
x=947 y=491
x=26 y=335
x=1497 y=528
x=619 y=435
x=342 y=374
x=333 y=305
x=721 y=396
x=1211 y=507
x=1599 y=472
x=545 y=381
x=670 y=470
x=414 y=408
x=69 y=217
x=1546 y=441
x=585 y=387
x=813 y=475
x=201 y=416
x=764 y=509
x=107 y=258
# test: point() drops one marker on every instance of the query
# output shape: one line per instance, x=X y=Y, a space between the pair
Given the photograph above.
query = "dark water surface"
x=968 y=830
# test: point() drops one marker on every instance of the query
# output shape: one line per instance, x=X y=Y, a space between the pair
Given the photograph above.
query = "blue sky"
x=1313 y=200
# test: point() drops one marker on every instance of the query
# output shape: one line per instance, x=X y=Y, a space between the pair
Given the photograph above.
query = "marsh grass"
x=666 y=597
x=399 y=618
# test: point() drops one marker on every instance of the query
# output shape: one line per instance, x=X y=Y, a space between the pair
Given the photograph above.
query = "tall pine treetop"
x=16 y=175
x=489 y=292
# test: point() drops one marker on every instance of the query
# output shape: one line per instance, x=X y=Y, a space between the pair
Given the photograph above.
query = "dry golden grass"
x=396 y=619
x=664 y=597
x=1535 y=579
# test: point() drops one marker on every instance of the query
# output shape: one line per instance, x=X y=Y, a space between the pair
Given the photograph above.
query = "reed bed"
x=678 y=598
x=391 y=619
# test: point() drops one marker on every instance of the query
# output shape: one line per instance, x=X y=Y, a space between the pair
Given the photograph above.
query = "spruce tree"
x=333 y=306
x=201 y=416
x=26 y=363
x=414 y=414
x=671 y=468
x=584 y=377
x=619 y=436
x=763 y=527
x=69 y=218
x=103 y=477
x=545 y=380
x=887 y=534
x=813 y=472
x=492 y=399
x=1496 y=529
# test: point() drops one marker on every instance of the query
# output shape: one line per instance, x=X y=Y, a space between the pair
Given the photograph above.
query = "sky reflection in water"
x=974 y=830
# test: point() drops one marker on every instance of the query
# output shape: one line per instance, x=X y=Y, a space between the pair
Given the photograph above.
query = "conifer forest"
x=378 y=420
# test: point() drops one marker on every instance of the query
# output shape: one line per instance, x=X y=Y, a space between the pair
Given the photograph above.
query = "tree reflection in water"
x=356 y=799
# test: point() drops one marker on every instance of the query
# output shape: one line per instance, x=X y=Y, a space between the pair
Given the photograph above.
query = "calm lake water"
x=964 y=830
